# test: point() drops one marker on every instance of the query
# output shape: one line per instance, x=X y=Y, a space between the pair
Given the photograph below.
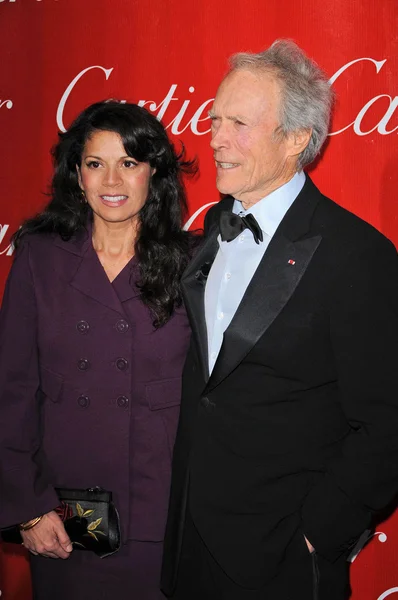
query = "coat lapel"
x=126 y=287
x=90 y=278
x=193 y=288
x=277 y=276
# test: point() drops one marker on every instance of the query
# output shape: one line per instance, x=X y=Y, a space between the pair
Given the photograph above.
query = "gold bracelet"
x=29 y=524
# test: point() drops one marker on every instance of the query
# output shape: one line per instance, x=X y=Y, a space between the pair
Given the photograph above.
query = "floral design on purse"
x=90 y=519
x=66 y=512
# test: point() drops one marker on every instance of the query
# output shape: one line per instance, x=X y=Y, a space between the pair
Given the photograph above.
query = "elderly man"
x=288 y=439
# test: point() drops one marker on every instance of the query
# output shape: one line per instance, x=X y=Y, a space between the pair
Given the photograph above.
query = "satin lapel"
x=277 y=276
x=193 y=287
x=271 y=287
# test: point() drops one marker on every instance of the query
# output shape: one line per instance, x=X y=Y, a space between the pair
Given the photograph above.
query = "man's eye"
x=129 y=164
x=93 y=164
x=237 y=122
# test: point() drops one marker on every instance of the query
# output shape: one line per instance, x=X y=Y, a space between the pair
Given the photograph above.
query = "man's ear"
x=299 y=140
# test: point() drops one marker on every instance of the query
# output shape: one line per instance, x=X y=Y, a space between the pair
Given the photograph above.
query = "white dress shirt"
x=237 y=261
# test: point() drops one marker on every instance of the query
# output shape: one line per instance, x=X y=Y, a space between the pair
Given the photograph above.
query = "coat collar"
x=269 y=290
x=193 y=287
x=79 y=243
x=90 y=277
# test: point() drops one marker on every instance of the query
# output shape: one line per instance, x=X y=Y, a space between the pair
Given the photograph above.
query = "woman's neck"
x=114 y=239
x=114 y=245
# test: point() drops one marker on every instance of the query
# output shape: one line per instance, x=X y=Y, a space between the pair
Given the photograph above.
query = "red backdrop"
x=58 y=56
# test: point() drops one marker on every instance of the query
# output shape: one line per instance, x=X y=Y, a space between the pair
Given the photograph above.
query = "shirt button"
x=83 y=364
x=83 y=401
x=122 y=402
x=227 y=276
x=213 y=356
x=122 y=326
x=82 y=327
x=241 y=238
x=220 y=315
x=122 y=364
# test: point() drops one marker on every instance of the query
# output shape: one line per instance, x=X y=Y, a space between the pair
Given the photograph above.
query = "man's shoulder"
x=342 y=225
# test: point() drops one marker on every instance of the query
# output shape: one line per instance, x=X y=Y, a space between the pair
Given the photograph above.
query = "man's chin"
x=224 y=188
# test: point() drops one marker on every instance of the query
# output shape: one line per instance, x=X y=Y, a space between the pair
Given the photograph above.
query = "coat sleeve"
x=363 y=479
x=24 y=493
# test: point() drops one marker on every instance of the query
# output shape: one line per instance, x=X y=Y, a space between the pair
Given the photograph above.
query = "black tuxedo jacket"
x=297 y=426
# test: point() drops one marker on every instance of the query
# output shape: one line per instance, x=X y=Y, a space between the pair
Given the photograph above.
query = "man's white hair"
x=307 y=97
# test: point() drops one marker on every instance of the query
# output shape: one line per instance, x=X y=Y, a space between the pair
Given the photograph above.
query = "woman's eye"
x=93 y=164
x=129 y=164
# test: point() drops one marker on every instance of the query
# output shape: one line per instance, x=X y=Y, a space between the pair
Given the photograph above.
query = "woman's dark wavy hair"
x=162 y=248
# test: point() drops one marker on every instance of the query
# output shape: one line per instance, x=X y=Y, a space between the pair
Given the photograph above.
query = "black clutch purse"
x=90 y=519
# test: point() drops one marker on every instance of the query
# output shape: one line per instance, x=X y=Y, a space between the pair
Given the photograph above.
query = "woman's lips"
x=114 y=201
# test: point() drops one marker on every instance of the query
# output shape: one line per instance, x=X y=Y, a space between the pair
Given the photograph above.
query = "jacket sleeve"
x=24 y=493
x=363 y=479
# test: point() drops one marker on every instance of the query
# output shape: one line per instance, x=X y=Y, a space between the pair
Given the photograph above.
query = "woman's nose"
x=112 y=177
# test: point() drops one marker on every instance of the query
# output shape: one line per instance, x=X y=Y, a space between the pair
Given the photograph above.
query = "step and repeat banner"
x=58 y=56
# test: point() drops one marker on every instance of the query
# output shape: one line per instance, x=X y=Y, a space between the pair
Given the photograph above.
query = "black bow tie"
x=232 y=225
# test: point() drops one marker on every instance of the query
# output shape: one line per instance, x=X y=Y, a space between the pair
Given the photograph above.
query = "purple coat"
x=89 y=390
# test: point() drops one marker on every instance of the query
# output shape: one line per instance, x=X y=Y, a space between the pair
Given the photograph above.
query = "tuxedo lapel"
x=271 y=287
x=193 y=287
x=277 y=276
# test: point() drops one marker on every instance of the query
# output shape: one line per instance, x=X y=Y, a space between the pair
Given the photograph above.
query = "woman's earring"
x=83 y=198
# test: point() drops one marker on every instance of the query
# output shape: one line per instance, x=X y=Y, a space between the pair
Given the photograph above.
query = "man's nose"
x=219 y=138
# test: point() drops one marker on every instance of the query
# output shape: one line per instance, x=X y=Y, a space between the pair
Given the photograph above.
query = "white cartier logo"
x=364 y=539
x=180 y=113
x=387 y=593
x=4 y=248
x=356 y=124
x=177 y=124
x=6 y=103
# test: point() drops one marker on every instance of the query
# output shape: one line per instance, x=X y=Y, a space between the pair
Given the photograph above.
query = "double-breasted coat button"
x=121 y=326
x=83 y=364
x=82 y=327
x=122 y=364
x=122 y=402
x=83 y=401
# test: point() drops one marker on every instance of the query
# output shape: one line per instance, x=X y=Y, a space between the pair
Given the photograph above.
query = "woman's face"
x=115 y=185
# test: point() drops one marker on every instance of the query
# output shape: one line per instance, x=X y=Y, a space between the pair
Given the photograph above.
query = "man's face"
x=251 y=160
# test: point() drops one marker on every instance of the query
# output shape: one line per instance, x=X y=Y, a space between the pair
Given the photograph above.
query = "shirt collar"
x=270 y=210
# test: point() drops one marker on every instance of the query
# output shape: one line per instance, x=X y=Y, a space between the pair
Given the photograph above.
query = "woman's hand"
x=48 y=537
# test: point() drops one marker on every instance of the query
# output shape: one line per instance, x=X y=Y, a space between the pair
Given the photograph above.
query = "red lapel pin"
x=291 y=262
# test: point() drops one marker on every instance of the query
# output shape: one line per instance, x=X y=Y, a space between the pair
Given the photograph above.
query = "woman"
x=93 y=338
